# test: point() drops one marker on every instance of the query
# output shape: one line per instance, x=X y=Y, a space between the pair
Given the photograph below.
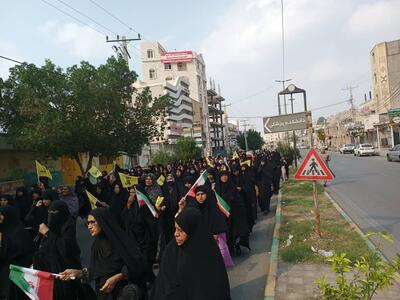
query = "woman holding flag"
x=116 y=262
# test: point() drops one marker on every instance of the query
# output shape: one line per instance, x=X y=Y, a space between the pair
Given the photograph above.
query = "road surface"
x=368 y=190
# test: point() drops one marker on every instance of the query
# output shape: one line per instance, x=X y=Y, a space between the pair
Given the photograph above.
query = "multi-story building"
x=160 y=66
x=179 y=121
x=217 y=124
x=385 y=65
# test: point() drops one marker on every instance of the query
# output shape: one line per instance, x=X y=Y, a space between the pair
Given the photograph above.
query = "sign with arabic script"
x=297 y=121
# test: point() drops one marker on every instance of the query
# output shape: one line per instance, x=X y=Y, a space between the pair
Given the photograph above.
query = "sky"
x=327 y=43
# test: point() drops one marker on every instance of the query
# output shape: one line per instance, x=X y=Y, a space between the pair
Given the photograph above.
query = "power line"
x=73 y=17
x=86 y=16
x=113 y=16
x=11 y=59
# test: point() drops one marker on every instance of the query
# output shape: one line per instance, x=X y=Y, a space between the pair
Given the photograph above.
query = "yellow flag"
x=246 y=162
x=95 y=172
x=235 y=155
x=161 y=180
x=159 y=201
x=42 y=171
x=209 y=162
x=128 y=181
x=92 y=199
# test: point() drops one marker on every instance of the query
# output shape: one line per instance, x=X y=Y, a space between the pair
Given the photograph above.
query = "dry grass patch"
x=298 y=219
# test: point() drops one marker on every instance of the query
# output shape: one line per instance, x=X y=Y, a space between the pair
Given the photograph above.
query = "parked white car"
x=364 y=149
x=347 y=148
x=394 y=153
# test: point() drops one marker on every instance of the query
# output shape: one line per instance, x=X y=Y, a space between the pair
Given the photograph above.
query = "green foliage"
x=83 y=109
x=286 y=150
x=186 y=149
x=359 y=280
x=162 y=157
x=254 y=140
x=296 y=253
x=321 y=135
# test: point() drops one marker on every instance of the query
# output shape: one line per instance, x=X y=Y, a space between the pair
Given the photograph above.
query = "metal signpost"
x=314 y=169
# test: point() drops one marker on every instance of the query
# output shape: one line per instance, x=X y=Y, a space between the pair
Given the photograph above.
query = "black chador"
x=194 y=270
x=265 y=179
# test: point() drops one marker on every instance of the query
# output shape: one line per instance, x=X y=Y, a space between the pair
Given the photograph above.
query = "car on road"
x=394 y=153
x=347 y=148
x=364 y=149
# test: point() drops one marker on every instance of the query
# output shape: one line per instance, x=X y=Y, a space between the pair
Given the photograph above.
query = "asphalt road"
x=368 y=190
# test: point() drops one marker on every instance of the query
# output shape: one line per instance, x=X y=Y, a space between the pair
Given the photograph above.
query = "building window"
x=376 y=80
x=181 y=66
x=167 y=67
x=150 y=53
x=152 y=74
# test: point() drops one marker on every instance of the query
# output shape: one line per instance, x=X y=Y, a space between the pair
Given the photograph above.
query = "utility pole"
x=351 y=101
x=294 y=133
x=245 y=133
x=122 y=49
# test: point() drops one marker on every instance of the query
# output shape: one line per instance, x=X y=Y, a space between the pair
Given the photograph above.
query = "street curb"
x=269 y=292
x=353 y=225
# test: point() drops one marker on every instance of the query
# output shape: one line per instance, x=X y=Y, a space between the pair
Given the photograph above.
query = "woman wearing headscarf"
x=118 y=201
x=139 y=224
x=249 y=186
x=206 y=203
x=5 y=200
x=115 y=259
x=153 y=191
x=237 y=221
x=68 y=196
x=265 y=179
x=39 y=212
x=59 y=249
x=244 y=205
x=169 y=208
x=192 y=266
x=22 y=201
x=16 y=247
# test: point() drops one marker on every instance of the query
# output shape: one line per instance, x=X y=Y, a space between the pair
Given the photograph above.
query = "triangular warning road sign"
x=313 y=168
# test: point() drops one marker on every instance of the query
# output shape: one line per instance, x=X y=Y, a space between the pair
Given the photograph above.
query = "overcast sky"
x=327 y=42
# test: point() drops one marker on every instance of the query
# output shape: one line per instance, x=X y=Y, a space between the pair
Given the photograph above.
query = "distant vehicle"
x=347 y=148
x=364 y=149
x=394 y=153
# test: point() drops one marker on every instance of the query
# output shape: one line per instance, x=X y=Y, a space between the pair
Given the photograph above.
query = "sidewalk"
x=298 y=282
x=247 y=278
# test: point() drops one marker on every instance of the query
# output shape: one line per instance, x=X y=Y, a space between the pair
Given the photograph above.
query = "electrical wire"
x=73 y=17
x=11 y=59
x=86 y=16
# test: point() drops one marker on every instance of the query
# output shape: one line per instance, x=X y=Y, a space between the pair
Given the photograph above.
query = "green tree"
x=186 y=149
x=321 y=135
x=83 y=109
x=162 y=157
x=286 y=150
x=254 y=140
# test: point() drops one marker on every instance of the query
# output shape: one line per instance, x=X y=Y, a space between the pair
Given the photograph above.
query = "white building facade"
x=160 y=66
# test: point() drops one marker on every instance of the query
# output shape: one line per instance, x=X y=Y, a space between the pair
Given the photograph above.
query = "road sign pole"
x=316 y=208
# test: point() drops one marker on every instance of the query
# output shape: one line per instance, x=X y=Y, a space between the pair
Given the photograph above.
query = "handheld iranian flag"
x=37 y=285
x=142 y=200
x=222 y=205
x=200 y=181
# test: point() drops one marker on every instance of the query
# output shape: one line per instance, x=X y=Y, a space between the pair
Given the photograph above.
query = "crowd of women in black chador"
x=38 y=228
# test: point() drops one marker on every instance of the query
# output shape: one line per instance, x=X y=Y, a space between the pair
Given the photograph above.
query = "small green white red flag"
x=222 y=205
x=142 y=200
x=200 y=181
x=37 y=285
